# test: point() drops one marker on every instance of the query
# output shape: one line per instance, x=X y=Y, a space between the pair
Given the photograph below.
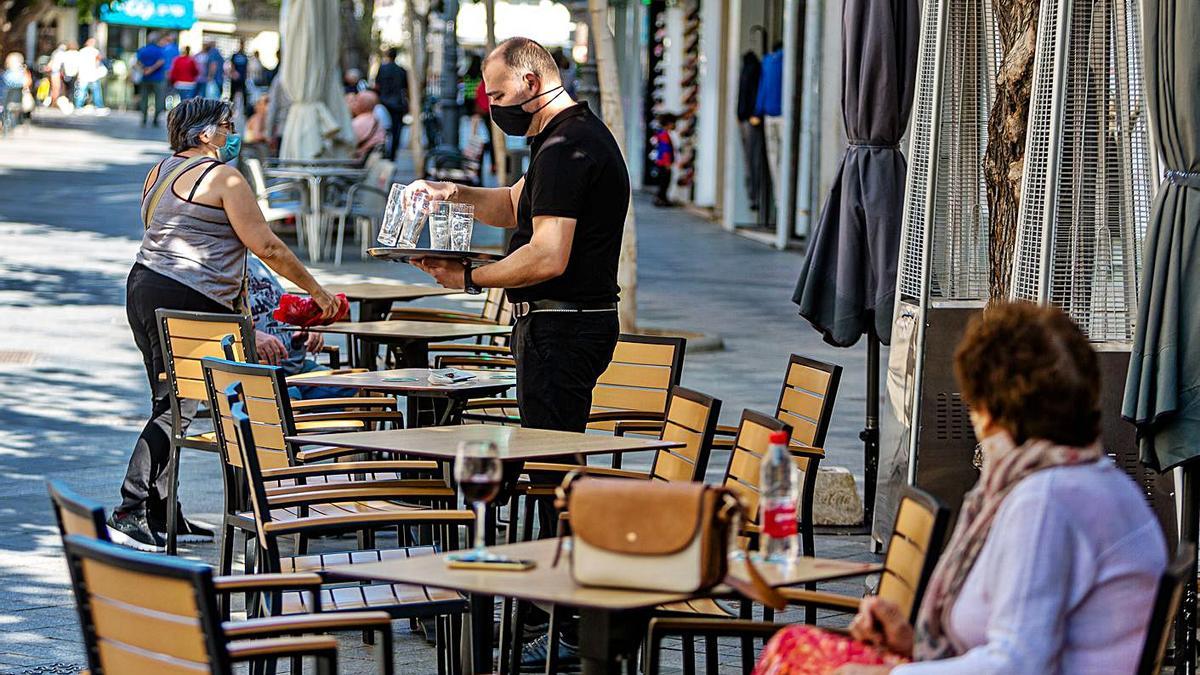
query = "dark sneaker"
x=533 y=656
x=190 y=531
x=131 y=529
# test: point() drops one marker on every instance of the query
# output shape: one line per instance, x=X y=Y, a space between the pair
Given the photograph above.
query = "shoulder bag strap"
x=155 y=194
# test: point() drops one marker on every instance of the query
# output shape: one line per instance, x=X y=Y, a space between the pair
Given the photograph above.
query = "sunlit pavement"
x=73 y=393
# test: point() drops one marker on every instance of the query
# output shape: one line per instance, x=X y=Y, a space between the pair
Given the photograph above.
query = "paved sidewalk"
x=73 y=394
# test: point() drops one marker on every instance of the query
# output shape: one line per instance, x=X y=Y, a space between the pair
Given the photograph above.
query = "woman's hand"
x=328 y=302
x=437 y=191
x=880 y=623
x=271 y=349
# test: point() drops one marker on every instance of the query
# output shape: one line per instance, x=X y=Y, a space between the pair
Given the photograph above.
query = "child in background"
x=664 y=157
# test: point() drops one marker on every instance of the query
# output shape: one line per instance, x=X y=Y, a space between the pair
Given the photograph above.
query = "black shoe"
x=533 y=655
x=189 y=531
x=131 y=529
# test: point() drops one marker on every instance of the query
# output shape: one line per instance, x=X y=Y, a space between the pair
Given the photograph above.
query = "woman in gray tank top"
x=200 y=218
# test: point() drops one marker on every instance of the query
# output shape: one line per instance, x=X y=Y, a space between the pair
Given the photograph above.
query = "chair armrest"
x=799 y=596
x=543 y=468
x=481 y=362
x=491 y=404
x=370 y=491
x=808 y=451
x=358 y=521
x=336 y=468
x=308 y=405
x=663 y=626
x=299 y=624
x=309 y=645
x=285 y=185
x=237 y=583
x=637 y=427
x=349 y=416
x=335 y=355
x=327 y=452
x=495 y=350
x=625 y=415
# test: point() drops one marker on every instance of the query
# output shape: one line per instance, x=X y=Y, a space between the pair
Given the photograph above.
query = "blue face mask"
x=231 y=149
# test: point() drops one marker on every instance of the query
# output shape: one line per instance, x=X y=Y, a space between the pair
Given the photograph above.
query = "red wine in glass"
x=478 y=489
x=478 y=472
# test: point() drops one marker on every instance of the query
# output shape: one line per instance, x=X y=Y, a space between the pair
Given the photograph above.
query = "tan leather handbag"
x=655 y=536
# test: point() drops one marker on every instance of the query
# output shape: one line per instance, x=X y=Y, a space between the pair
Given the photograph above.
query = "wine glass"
x=478 y=472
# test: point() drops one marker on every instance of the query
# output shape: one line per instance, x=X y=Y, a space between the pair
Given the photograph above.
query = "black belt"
x=521 y=309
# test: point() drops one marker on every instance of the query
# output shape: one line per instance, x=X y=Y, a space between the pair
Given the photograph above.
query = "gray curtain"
x=1162 y=392
x=848 y=278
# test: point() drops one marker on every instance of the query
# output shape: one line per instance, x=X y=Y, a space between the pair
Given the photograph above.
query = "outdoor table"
x=315 y=177
x=412 y=337
x=375 y=299
x=612 y=622
x=413 y=384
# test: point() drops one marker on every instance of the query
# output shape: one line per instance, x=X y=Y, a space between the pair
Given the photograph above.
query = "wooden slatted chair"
x=398 y=600
x=270 y=411
x=1166 y=606
x=85 y=519
x=912 y=553
x=187 y=337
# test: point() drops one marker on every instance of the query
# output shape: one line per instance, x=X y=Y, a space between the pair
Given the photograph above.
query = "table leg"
x=607 y=636
x=318 y=214
x=374 y=310
x=481 y=633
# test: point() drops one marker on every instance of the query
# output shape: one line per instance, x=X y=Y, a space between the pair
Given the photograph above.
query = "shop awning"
x=172 y=14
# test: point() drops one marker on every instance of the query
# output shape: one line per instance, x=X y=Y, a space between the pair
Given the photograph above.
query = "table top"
x=411 y=381
x=315 y=171
x=372 y=290
x=515 y=443
x=413 y=330
x=546 y=583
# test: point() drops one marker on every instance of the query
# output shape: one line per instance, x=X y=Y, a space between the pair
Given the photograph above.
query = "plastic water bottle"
x=779 y=540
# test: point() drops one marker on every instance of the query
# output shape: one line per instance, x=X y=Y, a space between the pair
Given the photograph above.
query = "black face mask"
x=515 y=120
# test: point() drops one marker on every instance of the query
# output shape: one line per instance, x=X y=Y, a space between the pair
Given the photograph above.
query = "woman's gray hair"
x=193 y=117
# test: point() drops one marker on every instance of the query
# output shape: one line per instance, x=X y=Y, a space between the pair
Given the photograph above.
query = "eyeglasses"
x=228 y=126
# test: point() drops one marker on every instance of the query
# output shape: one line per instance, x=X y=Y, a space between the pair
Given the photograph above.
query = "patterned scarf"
x=1003 y=469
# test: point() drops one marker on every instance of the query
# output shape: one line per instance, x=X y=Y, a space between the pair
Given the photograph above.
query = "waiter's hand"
x=437 y=191
x=271 y=350
x=448 y=273
x=328 y=303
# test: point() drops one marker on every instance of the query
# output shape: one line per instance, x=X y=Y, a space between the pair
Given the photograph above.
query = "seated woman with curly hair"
x=1054 y=562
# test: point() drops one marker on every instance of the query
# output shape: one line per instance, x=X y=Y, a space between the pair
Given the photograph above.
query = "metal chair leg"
x=553 y=638
x=173 y=500
x=689 y=655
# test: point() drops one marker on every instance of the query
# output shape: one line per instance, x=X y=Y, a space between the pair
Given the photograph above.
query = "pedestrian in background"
x=183 y=75
x=153 y=62
x=392 y=84
x=239 y=67
x=55 y=70
x=352 y=81
x=70 y=71
x=214 y=68
x=17 y=89
x=664 y=158
x=91 y=72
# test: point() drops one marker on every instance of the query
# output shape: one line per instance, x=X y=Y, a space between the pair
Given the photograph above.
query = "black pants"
x=146 y=478
x=664 y=183
x=397 y=115
x=559 y=357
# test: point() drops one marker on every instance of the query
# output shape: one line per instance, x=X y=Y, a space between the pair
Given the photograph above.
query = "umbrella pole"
x=870 y=434
x=1185 y=620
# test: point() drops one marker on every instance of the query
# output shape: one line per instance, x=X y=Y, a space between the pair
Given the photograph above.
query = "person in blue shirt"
x=278 y=343
x=239 y=67
x=152 y=60
x=768 y=109
x=214 y=75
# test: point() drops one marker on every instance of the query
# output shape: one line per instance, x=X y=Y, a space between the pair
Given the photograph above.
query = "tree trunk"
x=15 y=17
x=1004 y=161
x=499 y=149
x=610 y=106
x=416 y=85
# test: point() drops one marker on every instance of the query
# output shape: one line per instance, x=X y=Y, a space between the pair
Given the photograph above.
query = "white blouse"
x=1065 y=581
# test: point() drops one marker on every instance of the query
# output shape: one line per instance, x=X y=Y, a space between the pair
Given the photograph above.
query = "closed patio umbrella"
x=1162 y=391
x=848 y=279
x=318 y=123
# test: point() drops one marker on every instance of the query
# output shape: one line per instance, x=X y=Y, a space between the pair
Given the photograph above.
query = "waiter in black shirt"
x=568 y=212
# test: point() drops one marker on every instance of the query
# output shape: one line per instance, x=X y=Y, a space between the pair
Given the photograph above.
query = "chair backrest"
x=379 y=177
x=640 y=376
x=233 y=399
x=807 y=397
x=749 y=448
x=1166 y=605
x=691 y=420
x=267 y=404
x=76 y=514
x=143 y=614
x=496 y=307
x=187 y=337
x=913 y=550
x=254 y=171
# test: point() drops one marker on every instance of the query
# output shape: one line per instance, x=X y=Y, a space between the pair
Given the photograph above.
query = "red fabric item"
x=183 y=69
x=306 y=313
x=808 y=650
x=483 y=105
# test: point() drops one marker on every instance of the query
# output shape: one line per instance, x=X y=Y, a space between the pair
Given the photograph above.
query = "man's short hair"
x=524 y=55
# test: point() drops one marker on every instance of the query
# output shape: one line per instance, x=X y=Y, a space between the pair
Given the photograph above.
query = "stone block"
x=836 y=500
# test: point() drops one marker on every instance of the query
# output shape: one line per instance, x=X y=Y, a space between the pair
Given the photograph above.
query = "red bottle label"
x=779 y=521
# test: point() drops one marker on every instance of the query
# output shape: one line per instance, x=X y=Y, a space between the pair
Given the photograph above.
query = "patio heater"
x=1086 y=196
x=942 y=276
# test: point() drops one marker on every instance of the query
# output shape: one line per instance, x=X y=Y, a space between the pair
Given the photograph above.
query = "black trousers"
x=145 y=485
x=397 y=114
x=664 y=182
x=559 y=356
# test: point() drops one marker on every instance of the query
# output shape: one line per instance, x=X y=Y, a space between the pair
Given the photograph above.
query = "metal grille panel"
x=1086 y=199
x=945 y=211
